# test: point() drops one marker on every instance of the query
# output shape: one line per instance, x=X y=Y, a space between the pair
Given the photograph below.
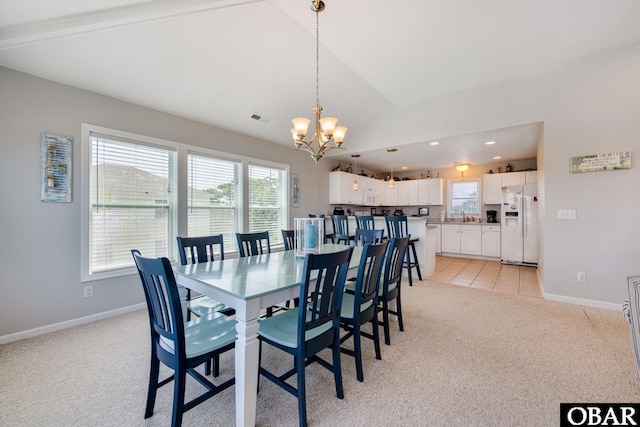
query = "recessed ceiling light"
x=404 y=167
x=434 y=143
x=490 y=142
x=497 y=157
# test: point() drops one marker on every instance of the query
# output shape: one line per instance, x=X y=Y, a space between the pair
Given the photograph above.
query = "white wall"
x=591 y=106
x=40 y=252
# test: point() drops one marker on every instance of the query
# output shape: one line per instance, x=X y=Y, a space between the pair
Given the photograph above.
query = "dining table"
x=249 y=285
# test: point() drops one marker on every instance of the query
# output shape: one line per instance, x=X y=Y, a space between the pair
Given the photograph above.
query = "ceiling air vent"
x=258 y=117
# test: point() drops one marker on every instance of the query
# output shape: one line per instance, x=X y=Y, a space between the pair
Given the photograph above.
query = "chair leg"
x=385 y=319
x=415 y=259
x=180 y=379
x=399 y=312
x=357 y=347
x=407 y=263
x=153 y=384
x=376 y=335
x=337 y=369
x=302 y=395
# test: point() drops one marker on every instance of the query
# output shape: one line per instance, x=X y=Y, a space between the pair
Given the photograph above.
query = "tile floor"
x=488 y=275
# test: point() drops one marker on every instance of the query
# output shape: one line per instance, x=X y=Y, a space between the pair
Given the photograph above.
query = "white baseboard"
x=69 y=323
x=585 y=302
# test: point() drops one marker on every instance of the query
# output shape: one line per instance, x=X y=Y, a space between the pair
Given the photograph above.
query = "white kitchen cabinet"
x=491 y=240
x=407 y=193
x=492 y=189
x=430 y=192
x=470 y=240
x=513 y=178
x=438 y=237
x=450 y=238
x=461 y=239
x=341 y=189
x=531 y=177
x=390 y=195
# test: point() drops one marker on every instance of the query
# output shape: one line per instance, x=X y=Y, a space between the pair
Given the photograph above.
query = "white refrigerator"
x=519 y=225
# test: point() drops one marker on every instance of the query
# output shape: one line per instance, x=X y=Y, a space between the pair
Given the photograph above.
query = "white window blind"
x=464 y=197
x=267 y=201
x=132 y=202
x=213 y=197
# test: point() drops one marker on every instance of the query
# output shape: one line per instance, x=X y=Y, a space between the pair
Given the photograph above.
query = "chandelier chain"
x=317 y=56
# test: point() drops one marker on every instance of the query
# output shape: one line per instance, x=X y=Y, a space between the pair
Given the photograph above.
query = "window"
x=132 y=202
x=267 y=201
x=464 y=196
x=140 y=193
x=214 y=197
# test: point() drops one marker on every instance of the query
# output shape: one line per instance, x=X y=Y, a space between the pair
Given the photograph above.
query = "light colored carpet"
x=467 y=358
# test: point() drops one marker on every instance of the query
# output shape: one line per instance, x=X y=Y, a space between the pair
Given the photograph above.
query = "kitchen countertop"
x=463 y=223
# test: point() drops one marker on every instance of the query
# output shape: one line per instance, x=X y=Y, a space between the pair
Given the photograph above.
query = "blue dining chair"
x=390 y=286
x=312 y=327
x=253 y=243
x=180 y=346
x=361 y=306
x=288 y=237
x=364 y=236
x=194 y=250
x=365 y=222
x=397 y=227
x=341 y=229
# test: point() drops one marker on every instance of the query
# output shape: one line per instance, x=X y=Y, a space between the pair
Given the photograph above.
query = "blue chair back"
x=393 y=267
x=369 y=272
x=365 y=222
x=288 y=237
x=340 y=227
x=200 y=249
x=397 y=226
x=253 y=243
x=163 y=303
x=365 y=237
x=322 y=287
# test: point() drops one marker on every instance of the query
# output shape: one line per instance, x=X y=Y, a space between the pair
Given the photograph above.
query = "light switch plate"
x=566 y=214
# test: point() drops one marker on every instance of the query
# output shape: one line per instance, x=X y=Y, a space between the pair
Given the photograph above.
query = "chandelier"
x=326 y=135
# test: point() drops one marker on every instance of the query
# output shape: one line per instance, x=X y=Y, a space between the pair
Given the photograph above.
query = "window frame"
x=181 y=177
x=451 y=183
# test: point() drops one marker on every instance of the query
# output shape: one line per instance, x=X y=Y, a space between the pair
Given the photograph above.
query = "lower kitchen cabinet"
x=483 y=240
x=491 y=240
x=461 y=239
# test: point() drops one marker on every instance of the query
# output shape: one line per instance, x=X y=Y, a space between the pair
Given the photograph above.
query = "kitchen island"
x=418 y=228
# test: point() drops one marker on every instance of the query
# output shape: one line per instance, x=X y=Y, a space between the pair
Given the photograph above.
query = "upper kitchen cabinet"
x=371 y=191
x=407 y=193
x=341 y=189
x=430 y=191
x=390 y=195
x=492 y=184
x=492 y=188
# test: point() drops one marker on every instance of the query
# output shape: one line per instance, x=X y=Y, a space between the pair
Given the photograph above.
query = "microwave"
x=369 y=198
x=423 y=211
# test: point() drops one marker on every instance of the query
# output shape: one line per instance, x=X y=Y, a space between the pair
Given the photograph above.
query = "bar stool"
x=341 y=229
x=397 y=227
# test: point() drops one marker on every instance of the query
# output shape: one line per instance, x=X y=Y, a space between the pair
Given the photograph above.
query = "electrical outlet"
x=88 y=291
x=582 y=276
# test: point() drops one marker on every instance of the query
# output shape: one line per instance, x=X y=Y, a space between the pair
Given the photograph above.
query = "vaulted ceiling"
x=222 y=61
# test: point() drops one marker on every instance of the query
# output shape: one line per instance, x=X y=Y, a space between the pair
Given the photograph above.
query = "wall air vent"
x=260 y=118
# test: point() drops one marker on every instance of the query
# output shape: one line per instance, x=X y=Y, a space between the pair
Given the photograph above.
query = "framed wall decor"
x=295 y=191
x=601 y=162
x=55 y=180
